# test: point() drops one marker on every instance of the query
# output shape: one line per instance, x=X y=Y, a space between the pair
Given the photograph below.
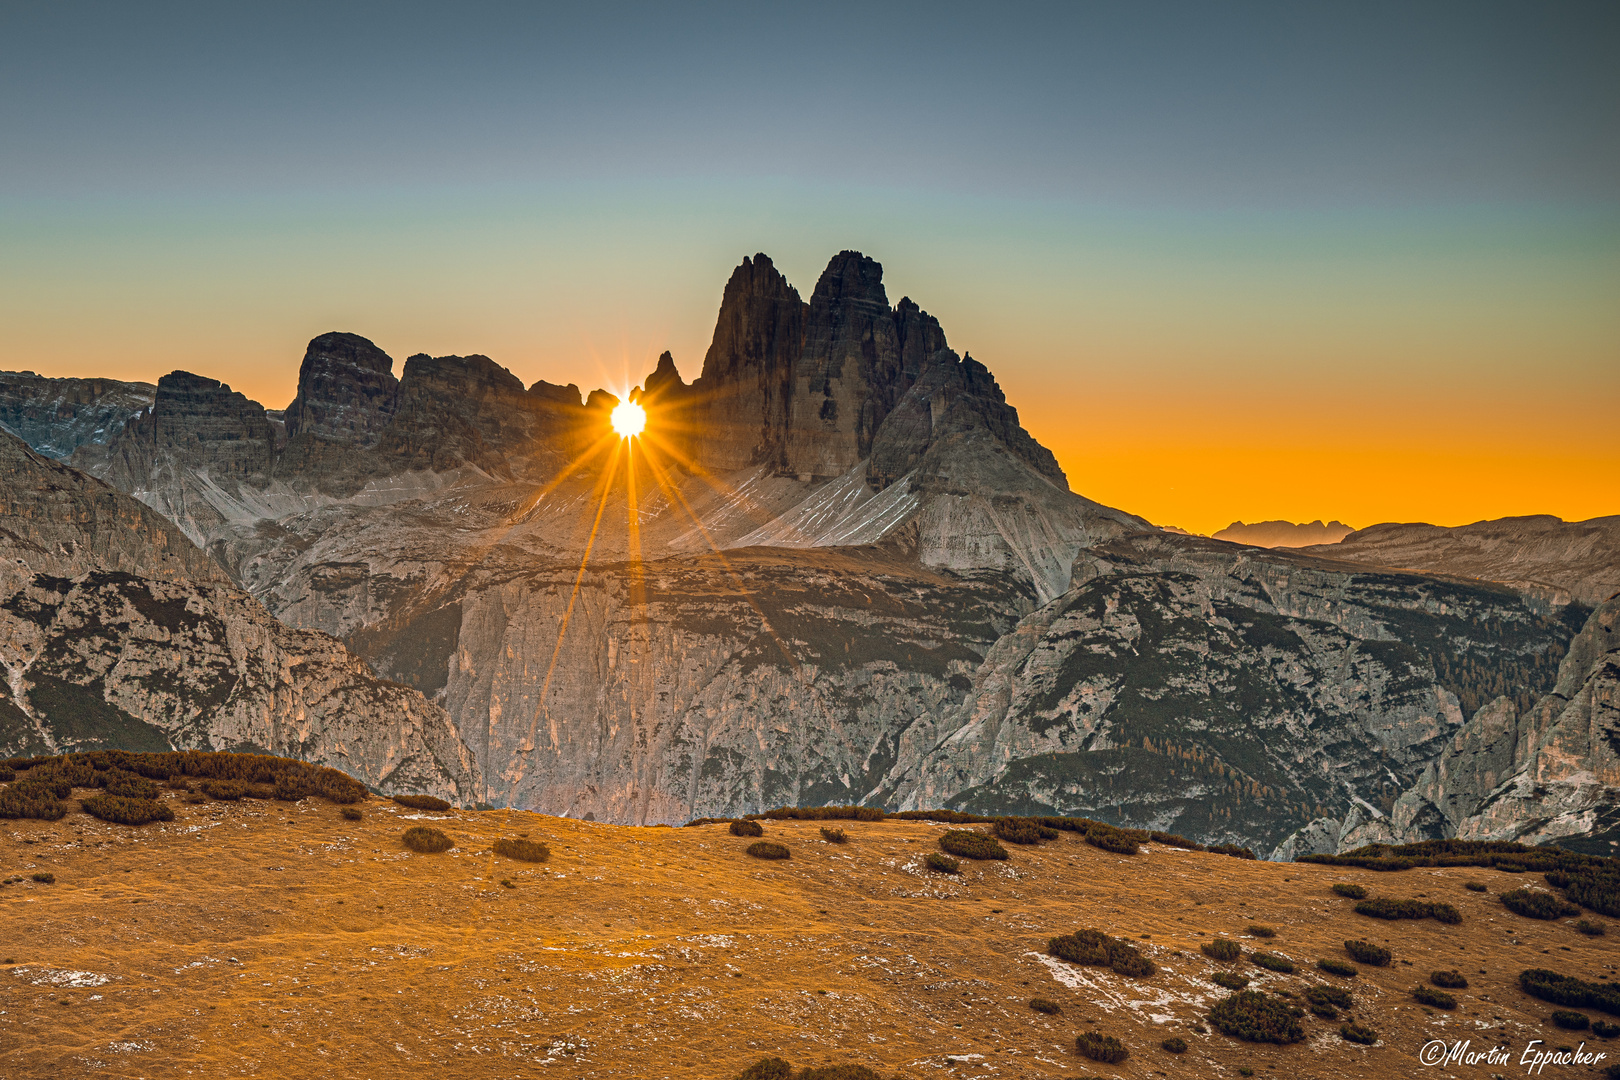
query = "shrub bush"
x=744 y=827
x=127 y=785
x=1337 y=967
x=1355 y=1033
x=1042 y=1005
x=421 y=802
x=769 y=849
x=126 y=811
x=1272 y=962
x=524 y=850
x=1022 y=831
x=1474 y=886
x=1428 y=995
x=1570 y=1021
x=176 y=782
x=1591 y=927
x=1533 y=904
x=84 y=770
x=837 y=1072
x=1221 y=949
x=1325 y=1001
x=7 y=775
x=1558 y=989
x=834 y=836
x=770 y=1068
x=944 y=864
x=1175 y=1044
x=1384 y=908
x=970 y=844
x=1354 y=892
x=1093 y=948
x=350 y=813
x=831 y=813
x=223 y=790
x=1451 y=980
x=1605 y=1030
x=44 y=877
x=1255 y=1017
x=1109 y=838
x=1230 y=979
x=1099 y=1047
x=1365 y=952
x=1262 y=931
x=37 y=801
x=427 y=841
x=1231 y=849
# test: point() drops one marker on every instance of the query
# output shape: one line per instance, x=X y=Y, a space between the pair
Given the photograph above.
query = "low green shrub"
x=1093 y=948
x=944 y=864
x=768 y=1068
x=829 y=813
x=127 y=785
x=1450 y=980
x=1233 y=850
x=1570 y=1021
x=223 y=790
x=421 y=802
x=7 y=775
x=1255 y=1017
x=1232 y=980
x=1365 y=952
x=1262 y=931
x=834 y=836
x=44 y=877
x=769 y=849
x=1533 y=904
x=1559 y=989
x=1272 y=962
x=744 y=827
x=1042 y=1005
x=1591 y=927
x=1175 y=1044
x=1385 y=908
x=176 y=782
x=1109 y=838
x=523 y=850
x=127 y=811
x=1337 y=967
x=427 y=841
x=1355 y=1033
x=1439 y=999
x=1099 y=1047
x=349 y=813
x=1326 y=1001
x=1605 y=1030
x=970 y=844
x=1022 y=831
x=1354 y=892
x=36 y=801
x=1474 y=886
x=1223 y=950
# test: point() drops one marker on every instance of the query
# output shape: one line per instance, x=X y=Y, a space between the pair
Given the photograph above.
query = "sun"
x=629 y=418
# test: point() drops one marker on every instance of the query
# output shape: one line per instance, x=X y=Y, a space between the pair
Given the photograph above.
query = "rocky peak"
x=198 y=423
x=748 y=370
x=346 y=391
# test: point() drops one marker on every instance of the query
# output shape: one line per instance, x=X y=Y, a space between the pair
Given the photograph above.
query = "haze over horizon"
x=1267 y=262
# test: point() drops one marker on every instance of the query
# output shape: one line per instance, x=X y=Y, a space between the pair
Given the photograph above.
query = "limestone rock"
x=116 y=632
x=57 y=416
x=346 y=391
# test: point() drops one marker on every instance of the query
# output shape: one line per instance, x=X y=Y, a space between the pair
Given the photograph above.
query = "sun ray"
x=568 y=613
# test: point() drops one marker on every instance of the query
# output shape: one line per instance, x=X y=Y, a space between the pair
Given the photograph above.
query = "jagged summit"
x=346 y=390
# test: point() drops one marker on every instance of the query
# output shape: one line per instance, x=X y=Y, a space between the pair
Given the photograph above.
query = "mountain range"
x=835 y=569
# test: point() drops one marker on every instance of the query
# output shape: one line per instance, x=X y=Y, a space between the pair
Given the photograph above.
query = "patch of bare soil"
x=264 y=939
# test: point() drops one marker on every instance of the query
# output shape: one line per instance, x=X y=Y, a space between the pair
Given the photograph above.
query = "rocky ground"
x=276 y=939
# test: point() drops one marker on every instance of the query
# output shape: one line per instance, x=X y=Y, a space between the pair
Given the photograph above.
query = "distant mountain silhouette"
x=1272 y=534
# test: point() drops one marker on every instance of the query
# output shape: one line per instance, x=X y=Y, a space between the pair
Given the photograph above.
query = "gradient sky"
x=1229 y=261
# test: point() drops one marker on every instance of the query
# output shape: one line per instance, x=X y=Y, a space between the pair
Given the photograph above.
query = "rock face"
x=1557 y=561
x=57 y=416
x=346 y=391
x=116 y=632
x=1551 y=774
x=835 y=569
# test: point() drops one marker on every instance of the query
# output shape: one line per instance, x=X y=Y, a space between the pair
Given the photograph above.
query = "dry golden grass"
x=273 y=940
